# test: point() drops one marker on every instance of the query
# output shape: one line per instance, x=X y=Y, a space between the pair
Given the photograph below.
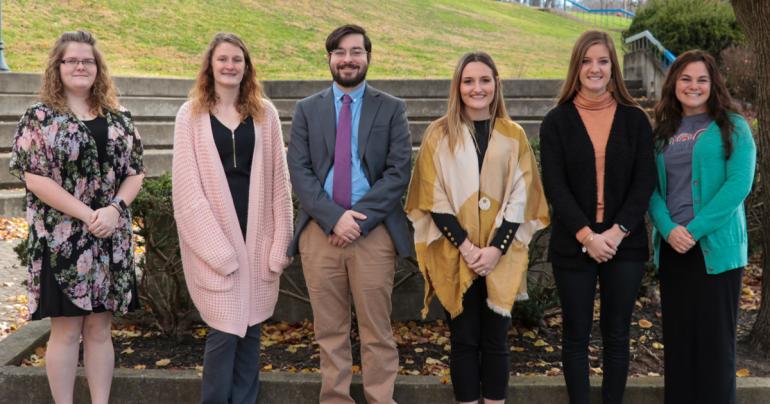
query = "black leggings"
x=619 y=283
x=699 y=321
x=479 y=359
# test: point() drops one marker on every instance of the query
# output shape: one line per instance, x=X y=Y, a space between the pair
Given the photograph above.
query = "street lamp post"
x=3 y=66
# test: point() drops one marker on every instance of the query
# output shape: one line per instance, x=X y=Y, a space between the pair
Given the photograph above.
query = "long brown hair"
x=616 y=86
x=203 y=96
x=452 y=124
x=102 y=95
x=668 y=111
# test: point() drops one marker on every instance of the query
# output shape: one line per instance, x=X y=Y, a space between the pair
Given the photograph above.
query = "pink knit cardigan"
x=233 y=284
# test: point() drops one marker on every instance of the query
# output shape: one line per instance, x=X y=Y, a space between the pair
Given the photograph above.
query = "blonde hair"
x=250 y=95
x=452 y=124
x=102 y=95
x=616 y=86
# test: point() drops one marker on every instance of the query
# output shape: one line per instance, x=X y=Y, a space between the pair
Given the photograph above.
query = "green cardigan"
x=719 y=188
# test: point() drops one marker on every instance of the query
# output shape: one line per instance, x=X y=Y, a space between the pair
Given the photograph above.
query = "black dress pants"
x=619 y=283
x=699 y=327
x=231 y=367
x=479 y=338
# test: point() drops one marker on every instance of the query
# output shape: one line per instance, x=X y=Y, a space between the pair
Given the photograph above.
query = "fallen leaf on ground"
x=163 y=362
x=645 y=323
x=529 y=334
x=743 y=373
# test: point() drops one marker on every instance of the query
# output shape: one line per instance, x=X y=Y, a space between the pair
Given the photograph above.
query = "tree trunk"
x=754 y=19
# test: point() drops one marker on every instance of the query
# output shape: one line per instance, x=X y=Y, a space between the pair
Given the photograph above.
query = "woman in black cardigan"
x=598 y=172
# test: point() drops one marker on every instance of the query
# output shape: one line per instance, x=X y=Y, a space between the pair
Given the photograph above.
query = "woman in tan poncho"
x=475 y=201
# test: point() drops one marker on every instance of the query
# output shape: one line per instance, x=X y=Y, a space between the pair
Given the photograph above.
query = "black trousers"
x=231 y=367
x=479 y=338
x=619 y=283
x=699 y=326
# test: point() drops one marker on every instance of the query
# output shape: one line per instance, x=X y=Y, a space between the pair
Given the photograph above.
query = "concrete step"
x=156 y=162
x=12 y=106
x=155 y=134
x=27 y=83
x=12 y=202
x=160 y=134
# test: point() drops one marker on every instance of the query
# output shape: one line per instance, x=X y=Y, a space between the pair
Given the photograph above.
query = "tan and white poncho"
x=444 y=182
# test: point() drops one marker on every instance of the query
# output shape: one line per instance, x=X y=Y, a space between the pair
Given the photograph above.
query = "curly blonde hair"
x=103 y=95
x=250 y=95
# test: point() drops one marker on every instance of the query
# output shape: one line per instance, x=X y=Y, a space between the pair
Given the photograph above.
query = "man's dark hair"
x=333 y=40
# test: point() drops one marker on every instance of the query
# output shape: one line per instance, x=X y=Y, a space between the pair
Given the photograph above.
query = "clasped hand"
x=480 y=260
x=103 y=221
x=347 y=229
x=603 y=246
x=680 y=239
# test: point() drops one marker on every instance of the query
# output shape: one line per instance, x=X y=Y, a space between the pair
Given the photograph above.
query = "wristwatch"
x=624 y=229
x=119 y=203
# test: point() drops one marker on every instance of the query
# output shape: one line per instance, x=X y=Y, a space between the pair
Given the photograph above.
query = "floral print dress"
x=90 y=271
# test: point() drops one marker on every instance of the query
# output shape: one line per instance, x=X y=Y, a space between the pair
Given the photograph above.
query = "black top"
x=450 y=226
x=481 y=134
x=236 y=150
x=97 y=128
x=569 y=178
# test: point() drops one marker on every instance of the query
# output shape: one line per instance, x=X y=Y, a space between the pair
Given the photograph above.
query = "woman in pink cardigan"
x=233 y=211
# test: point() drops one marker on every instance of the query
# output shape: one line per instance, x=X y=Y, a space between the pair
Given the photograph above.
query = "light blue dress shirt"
x=360 y=183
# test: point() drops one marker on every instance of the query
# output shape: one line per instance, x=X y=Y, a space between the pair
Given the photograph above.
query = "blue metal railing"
x=611 y=19
x=615 y=19
x=646 y=41
x=623 y=11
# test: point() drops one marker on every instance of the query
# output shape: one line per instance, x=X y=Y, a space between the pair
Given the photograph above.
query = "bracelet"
x=116 y=206
x=590 y=238
x=119 y=203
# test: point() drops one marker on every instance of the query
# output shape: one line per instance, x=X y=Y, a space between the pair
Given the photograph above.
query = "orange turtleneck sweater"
x=597 y=114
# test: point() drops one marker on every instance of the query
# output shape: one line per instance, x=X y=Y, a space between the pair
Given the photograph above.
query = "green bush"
x=162 y=287
x=681 y=25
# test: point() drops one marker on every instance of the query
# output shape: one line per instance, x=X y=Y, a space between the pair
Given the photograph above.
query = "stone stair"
x=153 y=103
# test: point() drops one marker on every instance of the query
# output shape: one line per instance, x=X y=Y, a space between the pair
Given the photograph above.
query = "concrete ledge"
x=23 y=342
x=29 y=385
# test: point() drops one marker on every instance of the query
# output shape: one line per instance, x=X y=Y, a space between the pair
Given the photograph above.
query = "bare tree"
x=754 y=19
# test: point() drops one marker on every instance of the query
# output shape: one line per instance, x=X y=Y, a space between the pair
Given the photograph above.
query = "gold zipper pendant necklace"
x=235 y=159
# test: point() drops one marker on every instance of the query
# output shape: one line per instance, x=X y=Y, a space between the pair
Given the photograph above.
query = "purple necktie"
x=342 y=183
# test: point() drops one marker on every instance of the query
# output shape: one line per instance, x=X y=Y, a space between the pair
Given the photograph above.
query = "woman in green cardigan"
x=705 y=159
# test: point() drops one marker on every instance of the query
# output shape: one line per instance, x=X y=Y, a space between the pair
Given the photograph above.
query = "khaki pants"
x=365 y=270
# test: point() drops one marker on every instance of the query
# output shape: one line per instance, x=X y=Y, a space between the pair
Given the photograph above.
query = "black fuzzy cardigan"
x=569 y=177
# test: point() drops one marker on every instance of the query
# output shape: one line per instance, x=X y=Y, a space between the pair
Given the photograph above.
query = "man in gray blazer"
x=350 y=160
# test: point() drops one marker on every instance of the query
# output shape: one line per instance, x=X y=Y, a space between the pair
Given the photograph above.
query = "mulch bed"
x=424 y=346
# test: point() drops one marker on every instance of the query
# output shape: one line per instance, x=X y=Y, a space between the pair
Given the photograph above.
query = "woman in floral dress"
x=80 y=157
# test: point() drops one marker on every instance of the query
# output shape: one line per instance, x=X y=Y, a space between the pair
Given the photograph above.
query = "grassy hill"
x=411 y=38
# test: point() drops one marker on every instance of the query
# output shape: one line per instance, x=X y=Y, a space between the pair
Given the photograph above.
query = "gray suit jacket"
x=385 y=151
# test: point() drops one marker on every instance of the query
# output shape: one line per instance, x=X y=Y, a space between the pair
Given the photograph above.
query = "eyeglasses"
x=354 y=53
x=73 y=62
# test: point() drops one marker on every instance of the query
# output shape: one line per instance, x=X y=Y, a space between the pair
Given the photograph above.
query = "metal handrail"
x=645 y=40
x=627 y=13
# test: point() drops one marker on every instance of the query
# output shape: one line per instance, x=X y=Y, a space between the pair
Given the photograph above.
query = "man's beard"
x=350 y=82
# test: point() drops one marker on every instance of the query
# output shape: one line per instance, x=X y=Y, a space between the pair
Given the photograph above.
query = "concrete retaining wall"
x=29 y=385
